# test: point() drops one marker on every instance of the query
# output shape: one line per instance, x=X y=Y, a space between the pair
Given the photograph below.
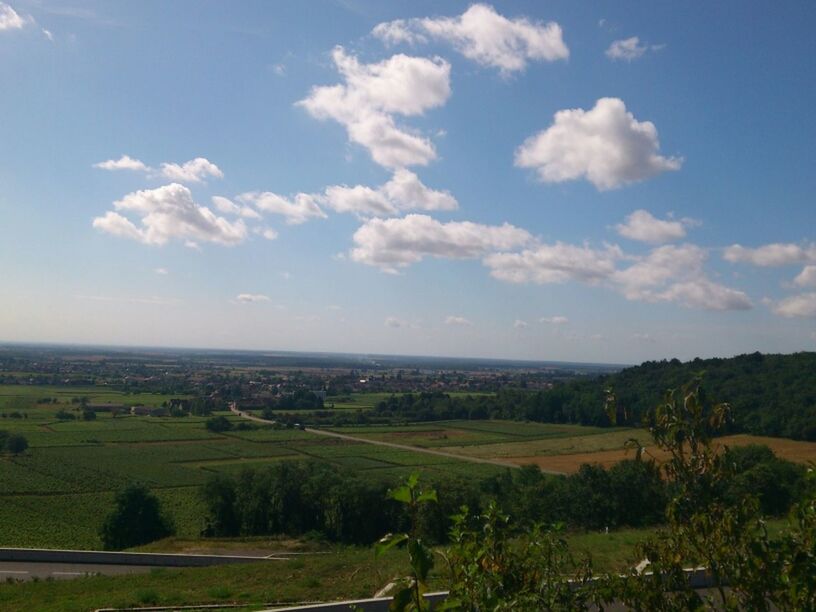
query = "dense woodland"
x=772 y=395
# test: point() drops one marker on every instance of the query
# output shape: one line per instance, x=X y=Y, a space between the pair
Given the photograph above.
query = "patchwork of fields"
x=59 y=491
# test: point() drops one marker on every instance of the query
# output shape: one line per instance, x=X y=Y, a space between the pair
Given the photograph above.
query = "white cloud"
x=605 y=145
x=643 y=226
x=391 y=244
x=123 y=163
x=269 y=233
x=10 y=19
x=403 y=192
x=373 y=93
x=296 y=210
x=640 y=337
x=228 y=207
x=628 y=49
x=395 y=322
x=556 y=320
x=803 y=305
x=484 y=36
x=554 y=263
x=458 y=321
x=668 y=273
x=48 y=34
x=248 y=298
x=193 y=171
x=519 y=324
x=807 y=277
x=776 y=254
x=166 y=213
x=705 y=294
x=161 y=271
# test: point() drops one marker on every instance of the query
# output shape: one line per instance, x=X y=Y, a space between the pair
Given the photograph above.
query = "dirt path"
x=414 y=449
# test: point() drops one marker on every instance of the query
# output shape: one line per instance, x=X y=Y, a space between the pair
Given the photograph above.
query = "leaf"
x=389 y=541
x=421 y=559
x=429 y=495
x=401 y=494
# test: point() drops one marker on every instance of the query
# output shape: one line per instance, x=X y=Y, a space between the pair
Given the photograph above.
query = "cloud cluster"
x=641 y=225
x=373 y=94
x=605 y=145
x=484 y=36
x=554 y=263
x=807 y=277
x=391 y=244
x=629 y=49
x=403 y=192
x=668 y=273
x=168 y=213
x=193 y=171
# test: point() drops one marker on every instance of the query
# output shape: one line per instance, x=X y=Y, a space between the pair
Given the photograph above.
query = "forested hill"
x=771 y=395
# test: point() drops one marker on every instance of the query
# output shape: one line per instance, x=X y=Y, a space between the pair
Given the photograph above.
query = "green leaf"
x=389 y=541
x=429 y=495
x=401 y=494
x=421 y=559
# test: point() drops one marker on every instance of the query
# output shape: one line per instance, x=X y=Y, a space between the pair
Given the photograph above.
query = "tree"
x=15 y=444
x=219 y=424
x=137 y=519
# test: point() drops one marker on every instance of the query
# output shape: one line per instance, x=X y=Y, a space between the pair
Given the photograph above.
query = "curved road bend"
x=415 y=449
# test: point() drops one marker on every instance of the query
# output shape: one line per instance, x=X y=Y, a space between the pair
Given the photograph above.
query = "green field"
x=59 y=491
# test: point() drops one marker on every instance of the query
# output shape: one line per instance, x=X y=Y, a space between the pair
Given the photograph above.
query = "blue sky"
x=606 y=181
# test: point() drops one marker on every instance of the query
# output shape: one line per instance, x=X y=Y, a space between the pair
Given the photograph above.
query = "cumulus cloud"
x=228 y=207
x=167 y=213
x=605 y=145
x=458 y=321
x=193 y=171
x=391 y=244
x=556 y=320
x=519 y=324
x=484 y=36
x=675 y=274
x=269 y=233
x=403 y=192
x=803 y=305
x=370 y=97
x=123 y=163
x=643 y=226
x=296 y=210
x=10 y=19
x=807 y=277
x=554 y=263
x=161 y=271
x=629 y=49
x=668 y=273
x=769 y=255
x=248 y=298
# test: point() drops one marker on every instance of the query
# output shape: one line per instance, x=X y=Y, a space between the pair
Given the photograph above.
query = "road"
x=414 y=449
x=28 y=570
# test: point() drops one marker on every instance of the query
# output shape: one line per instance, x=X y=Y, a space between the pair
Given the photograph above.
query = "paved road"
x=415 y=449
x=27 y=570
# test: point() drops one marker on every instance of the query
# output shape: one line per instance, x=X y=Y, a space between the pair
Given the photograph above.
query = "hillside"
x=771 y=395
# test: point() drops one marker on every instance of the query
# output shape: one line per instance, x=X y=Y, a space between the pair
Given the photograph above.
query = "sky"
x=556 y=180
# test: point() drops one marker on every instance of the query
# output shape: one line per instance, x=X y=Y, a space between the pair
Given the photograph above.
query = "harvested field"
x=792 y=450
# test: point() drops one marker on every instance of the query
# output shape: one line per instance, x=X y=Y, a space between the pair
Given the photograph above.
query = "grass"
x=344 y=574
